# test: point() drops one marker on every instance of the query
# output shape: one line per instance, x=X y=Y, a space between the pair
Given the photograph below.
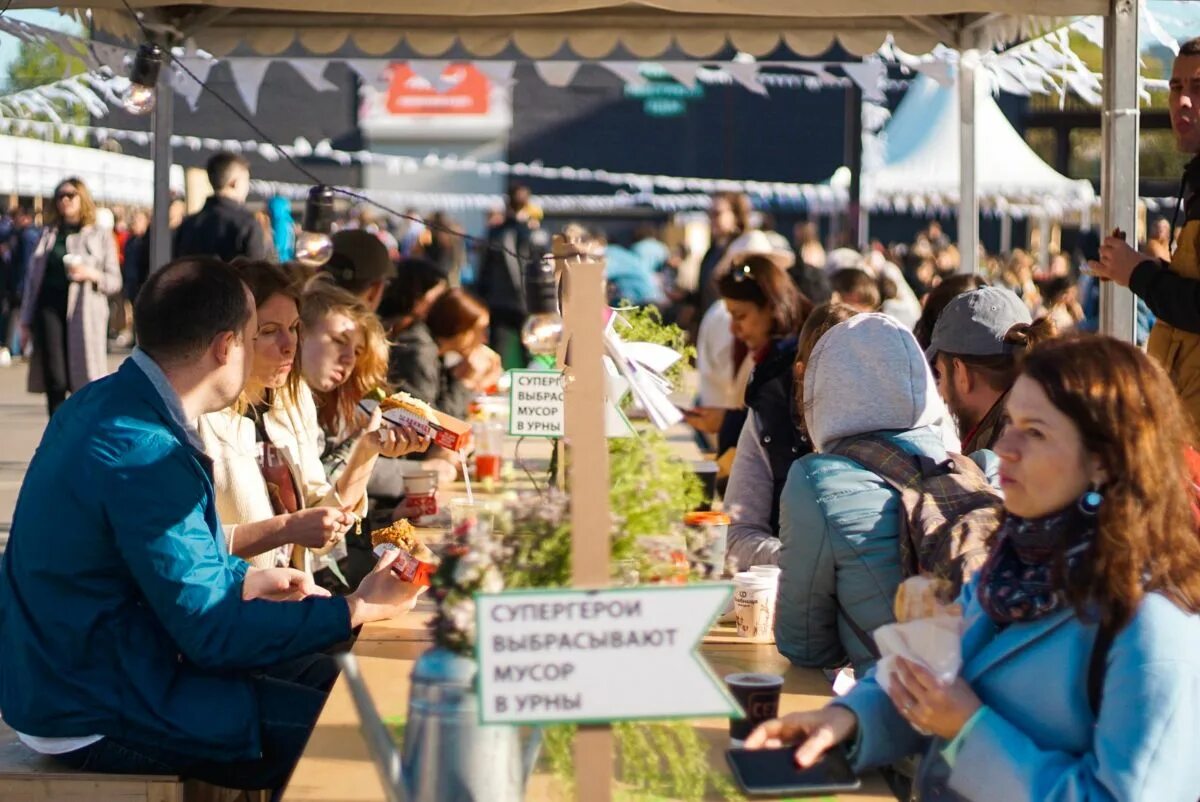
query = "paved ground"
x=22 y=419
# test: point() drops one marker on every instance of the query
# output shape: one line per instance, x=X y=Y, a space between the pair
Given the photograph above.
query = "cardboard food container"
x=447 y=431
x=407 y=567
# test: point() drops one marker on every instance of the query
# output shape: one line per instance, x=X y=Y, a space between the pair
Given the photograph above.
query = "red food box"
x=407 y=567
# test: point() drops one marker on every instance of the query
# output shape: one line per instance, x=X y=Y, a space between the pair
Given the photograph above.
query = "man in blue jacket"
x=130 y=640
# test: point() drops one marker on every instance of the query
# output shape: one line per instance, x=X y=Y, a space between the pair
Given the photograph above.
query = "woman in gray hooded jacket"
x=839 y=522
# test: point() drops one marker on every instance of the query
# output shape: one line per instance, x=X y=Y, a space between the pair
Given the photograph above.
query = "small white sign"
x=597 y=656
x=536 y=404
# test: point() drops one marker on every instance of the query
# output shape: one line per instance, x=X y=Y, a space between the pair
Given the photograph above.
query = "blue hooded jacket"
x=121 y=610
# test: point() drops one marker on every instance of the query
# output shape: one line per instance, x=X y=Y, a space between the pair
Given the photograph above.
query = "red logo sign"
x=463 y=90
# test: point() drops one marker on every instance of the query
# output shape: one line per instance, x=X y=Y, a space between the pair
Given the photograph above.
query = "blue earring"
x=1089 y=503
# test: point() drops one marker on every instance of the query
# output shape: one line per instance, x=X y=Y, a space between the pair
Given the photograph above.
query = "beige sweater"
x=241 y=490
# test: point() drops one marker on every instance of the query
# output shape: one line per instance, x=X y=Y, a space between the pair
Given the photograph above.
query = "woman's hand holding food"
x=318 y=527
x=930 y=705
x=391 y=440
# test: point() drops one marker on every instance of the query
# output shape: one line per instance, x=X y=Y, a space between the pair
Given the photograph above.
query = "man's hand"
x=279 y=584
x=382 y=594
x=1117 y=261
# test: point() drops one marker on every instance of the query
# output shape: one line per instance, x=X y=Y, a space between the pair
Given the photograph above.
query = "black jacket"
x=770 y=395
x=1173 y=298
x=224 y=229
x=415 y=368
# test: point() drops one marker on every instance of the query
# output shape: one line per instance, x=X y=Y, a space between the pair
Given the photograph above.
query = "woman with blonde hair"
x=71 y=276
x=276 y=503
x=343 y=359
x=1081 y=638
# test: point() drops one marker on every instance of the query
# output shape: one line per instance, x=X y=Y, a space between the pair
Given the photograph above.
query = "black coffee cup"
x=758 y=695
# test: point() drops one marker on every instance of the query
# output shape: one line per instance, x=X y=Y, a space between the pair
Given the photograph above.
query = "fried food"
x=402 y=535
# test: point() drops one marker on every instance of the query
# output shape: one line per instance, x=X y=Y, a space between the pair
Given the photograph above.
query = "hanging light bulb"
x=139 y=97
x=313 y=245
x=543 y=330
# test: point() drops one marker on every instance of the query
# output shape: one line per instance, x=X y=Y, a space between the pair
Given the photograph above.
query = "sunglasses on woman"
x=66 y=196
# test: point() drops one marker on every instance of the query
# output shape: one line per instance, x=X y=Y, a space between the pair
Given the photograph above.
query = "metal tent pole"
x=163 y=123
x=968 y=196
x=855 y=236
x=1119 y=167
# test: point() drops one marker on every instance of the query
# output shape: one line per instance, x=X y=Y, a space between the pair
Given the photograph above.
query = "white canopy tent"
x=921 y=166
x=35 y=167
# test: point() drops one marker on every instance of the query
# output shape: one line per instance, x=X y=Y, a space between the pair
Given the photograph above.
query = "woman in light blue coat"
x=1081 y=650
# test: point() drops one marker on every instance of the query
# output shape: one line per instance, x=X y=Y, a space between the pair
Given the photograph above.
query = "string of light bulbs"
x=314 y=245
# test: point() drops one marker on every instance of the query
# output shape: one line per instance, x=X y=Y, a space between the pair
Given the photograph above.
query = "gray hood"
x=866 y=375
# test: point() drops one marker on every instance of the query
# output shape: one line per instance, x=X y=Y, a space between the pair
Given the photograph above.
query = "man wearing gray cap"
x=975 y=354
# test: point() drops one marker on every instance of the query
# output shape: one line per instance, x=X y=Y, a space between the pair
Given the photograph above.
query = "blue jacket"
x=839 y=530
x=1037 y=739
x=121 y=611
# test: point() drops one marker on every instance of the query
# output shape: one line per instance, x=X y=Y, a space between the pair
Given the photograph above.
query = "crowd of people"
x=877 y=415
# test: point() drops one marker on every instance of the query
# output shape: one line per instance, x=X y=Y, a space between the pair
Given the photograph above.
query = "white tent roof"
x=34 y=167
x=920 y=158
x=589 y=29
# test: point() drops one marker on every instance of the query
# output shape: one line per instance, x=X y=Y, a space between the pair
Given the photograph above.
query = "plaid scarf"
x=1021 y=580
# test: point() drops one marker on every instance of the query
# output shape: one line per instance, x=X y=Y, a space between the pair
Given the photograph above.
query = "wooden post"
x=588 y=466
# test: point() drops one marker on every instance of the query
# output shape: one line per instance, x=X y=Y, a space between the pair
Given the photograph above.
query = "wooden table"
x=336 y=767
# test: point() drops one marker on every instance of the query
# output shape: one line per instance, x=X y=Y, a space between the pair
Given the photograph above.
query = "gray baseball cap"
x=976 y=322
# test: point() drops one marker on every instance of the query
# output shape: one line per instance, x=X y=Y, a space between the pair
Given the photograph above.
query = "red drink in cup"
x=487 y=466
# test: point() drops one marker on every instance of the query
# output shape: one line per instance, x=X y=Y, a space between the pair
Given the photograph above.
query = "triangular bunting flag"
x=745 y=74
x=248 y=76
x=869 y=76
x=627 y=71
x=500 y=72
x=184 y=84
x=683 y=72
x=557 y=73
x=373 y=72
x=938 y=70
x=432 y=71
x=313 y=71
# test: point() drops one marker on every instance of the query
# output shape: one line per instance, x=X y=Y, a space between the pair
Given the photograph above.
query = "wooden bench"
x=26 y=776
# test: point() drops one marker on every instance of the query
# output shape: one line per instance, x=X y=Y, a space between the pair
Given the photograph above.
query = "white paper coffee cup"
x=754 y=606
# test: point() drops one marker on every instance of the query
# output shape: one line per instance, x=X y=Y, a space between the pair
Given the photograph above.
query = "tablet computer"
x=773 y=772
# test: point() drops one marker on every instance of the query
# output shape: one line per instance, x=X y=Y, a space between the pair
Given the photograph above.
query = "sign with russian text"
x=583 y=656
x=537 y=404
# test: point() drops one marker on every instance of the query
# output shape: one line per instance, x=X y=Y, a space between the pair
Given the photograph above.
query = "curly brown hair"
x=1130 y=417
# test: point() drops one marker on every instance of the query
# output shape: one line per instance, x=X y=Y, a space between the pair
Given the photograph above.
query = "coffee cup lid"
x=754 y=678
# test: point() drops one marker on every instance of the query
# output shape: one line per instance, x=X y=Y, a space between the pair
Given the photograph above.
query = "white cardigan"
x=229 y=440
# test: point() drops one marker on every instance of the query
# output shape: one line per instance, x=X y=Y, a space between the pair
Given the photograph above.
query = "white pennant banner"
x=684 y=72
x=248 y=76
x=313 y=71
x=869 y=76
x=499 y=72
x=557 y=73
x=627 y=71
x=746 y=74
x=184 y=84
x=433 y=71
x=372 y=71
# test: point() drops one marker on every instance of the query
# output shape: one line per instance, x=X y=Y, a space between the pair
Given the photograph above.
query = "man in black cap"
x=975 y=355
x=360 y=264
